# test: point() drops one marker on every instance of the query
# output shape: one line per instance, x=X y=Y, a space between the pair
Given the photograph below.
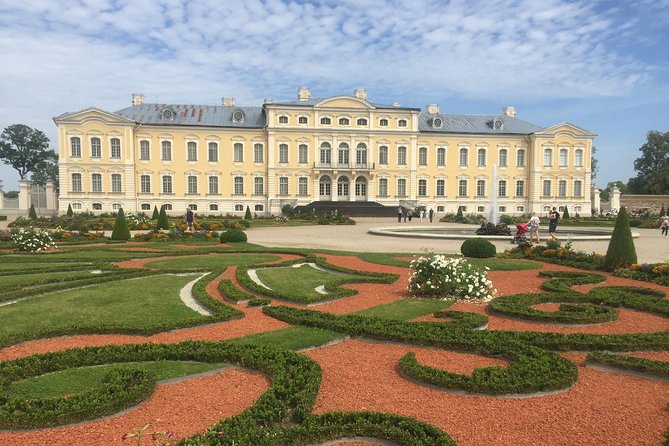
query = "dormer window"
x=402 y=123
x=167 y=114
x=437 y=123
x=344 y=121
x=326 y=121
x=283 y=119
x=498 y=124
x=238 y=116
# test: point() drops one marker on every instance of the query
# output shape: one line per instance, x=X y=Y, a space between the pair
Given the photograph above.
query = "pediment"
x=91 y=114
x=344 y=102
x=565 y=128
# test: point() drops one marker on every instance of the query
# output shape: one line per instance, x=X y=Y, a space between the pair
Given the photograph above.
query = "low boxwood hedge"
x=463 y=319
x=657 y=368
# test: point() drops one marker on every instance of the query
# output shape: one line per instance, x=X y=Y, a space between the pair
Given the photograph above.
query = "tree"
x=121 y=231
x=43 y=172
x=621 y=252
x=163 y=222
x=594 y=164
x=247 y=215
x=32 y=214
x=25 y=149
x=652 y=166
x=70 y=213
x=565 y=214
x=155 y=213
x=605 y=194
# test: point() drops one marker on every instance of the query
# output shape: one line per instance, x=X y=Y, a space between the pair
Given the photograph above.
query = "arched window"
x=547 y=187
x=96 y=182
x=503 y=157
x=145 y=184
x=302 y=186
x=383 y=122
x=548 y=157
x=115 y=147
x=441 y=188
x=402 y=187
x=344 y=121
x=75 y=147
x=191 y=152
x=422 y=188
x=96 y=148
x=238 y=150
x=213 y=185
x=462 y=188
x=343 y=153
x=191 y=185
x=326 y=121
x=402 y=123
x=441 y=156
x=343 y=184
x=383 y=187
x=481 y=157
x=116 y=183
x=325 y=186
x=283 y=119
x=383 y=155
x=480 y=188
x=326 y=153
x=213 y=152
x=258 y=153
x=238 y=186
x=361 y=187
x=258 y=185
x=302 y=154
x=578 y=158
x=303 y=120
x=562 y=188
x=402 y=155
x=464 y=157
x=283 y=185
x=578 y=188
x=76 y=182
x=422 y=156
x=361 y=121
x=361 y=155
x=564 y=155
x=166 y=152
x=283 y=153
x=520 y=158
x=144 y=150
x=501 y=188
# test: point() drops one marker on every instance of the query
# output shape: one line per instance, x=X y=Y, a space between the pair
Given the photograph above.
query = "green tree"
x=156 y=214
x=163 y=222
x=605 y=194
x=47 y=170
x=32 y=214
x=12 y=194
x=652 y=166
x=565 y=214
x=594 y=163
x=120 y=231
x=247 y=215
x=70 y=213
x=621 y=251
x=25 y=149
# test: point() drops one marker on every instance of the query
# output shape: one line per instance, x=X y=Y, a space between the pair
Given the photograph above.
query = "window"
x=302 y=154
x=502 y=209
x=213 y=207
x=402 y=123
x=383 y=187
x=326 y=153
x=481 y=157
x=144 y=150
x=520 y=158
x=547 y=188
x=503 y=156
x=401 y=156
x=520 y=188
x=422 y=188
x=343 y=186
x=440 y=208
x=361 y=155
x=239 y=186
x=116 y=206
x=343 y=154
x=578 y=158
x=578 y=188
x=97 y=206
x=464 y=155
x=239 y=207
x=326 y=121
x=563 y=157
x=283 y=119
x=480 y=188
x=501 y=188
x=283 y=153
x=96 y=148
x=167 y=184
x=302 y=186
x=76 y=206
x=441 y=156
x=96 y=182
x=422 y=156
x=383 y=122
x=577 y=210
x=562 y=188
x=325 y=186
x=116 y=182
x=212 y=152
x=75 y=147
x=76 y=182
x=441 y=188
x=167 y=150
x=303 y=120
x=258 y=153
x=146 y=206
x=238 y=154
x=258 y=185
x=192 y=206
x=520 y=208
x=115 y=144
x=191 y=151
x=462 y=188
x=548 y=157
x=168 y=207
x=402 y=187
x=192 y=185
x=480 y=209
x=344 y=121
x=283 y=186
x=383 y=155
x=145 y=184
x=213 y=185
x=361 y=121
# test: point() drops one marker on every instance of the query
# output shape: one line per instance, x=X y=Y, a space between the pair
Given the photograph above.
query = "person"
x=190 y=219
x=664 y=226
x=410 y=215
x=399 y=214
x=553 y=218
x=431 y=214
x=422 y=215
x=404 y=214
x=534 y=227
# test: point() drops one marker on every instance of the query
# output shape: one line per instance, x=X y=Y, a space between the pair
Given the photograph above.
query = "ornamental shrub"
x=69 y=213
x=449 y=278
x=156 y=214
x=459 y=215
x=233 y=236
x=121 y=231
x=247 y=215
x=565 y=214
x=32 y=214
x=31 y=239
x=662 y=212
x=163 y=222
x=478 y=248
x=621 y=252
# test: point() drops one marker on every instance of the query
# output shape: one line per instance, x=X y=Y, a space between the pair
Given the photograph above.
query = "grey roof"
x=479 y=124
x=313 y=101
x=194 y=115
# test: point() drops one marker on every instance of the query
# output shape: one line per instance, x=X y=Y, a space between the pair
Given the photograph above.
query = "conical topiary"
x=459 y=215
x=156 y=214
x=70 y=213
x=248 y=216
x=163 y=222
x=662 y=212
x=621 y=252
x=32 y=214
x=565 y=214
x=121 y=231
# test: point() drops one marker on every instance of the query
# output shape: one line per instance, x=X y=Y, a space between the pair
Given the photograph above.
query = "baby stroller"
x=520 y=236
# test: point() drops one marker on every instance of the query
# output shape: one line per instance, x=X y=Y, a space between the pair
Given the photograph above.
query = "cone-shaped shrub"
x=32 y=214
x=621 y=252
x=156 y=214
x=248 y=215
x=565 y=214
x=662 y=212
x=70 y=213
x=459 y=215
x=121 y=231
x=163 y=222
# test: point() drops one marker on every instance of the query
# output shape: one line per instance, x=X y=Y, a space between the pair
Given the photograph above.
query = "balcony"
x=343 y=166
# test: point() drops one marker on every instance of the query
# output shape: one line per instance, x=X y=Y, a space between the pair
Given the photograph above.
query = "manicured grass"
x=406 y=309
x=213 y=261
x=76 y=380
x=496 y=264
x=291 y=338
x=6 y=264
x=387 y=258
x=37 y=278
x=101 y=253
x=300 y=281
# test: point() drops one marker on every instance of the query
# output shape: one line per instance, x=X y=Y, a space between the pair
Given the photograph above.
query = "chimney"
x=268 y=101
x=303 y=94
x=433 y=109
x=360 y=93
x=509 y=111
x=137 y=99
x=228 y=102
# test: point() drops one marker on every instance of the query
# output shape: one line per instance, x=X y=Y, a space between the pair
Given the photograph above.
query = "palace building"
x=221 y=159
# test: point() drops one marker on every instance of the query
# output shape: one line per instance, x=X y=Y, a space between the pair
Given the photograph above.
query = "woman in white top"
x=534 y=227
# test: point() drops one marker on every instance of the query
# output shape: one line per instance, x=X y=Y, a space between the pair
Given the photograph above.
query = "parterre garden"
x=236 y=344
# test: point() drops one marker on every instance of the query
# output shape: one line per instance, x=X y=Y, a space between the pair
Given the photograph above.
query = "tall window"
x=480 y=188
x=422 y=156
x=191 y=151
x=75 y=147
x=192 y=184
x=520 y=158
x=441 y=188
x=520 y=188
x=116 y=182
x=503 y=157
x=212 y=152
x=343 y=186
x=258 y=153
x=283 y=153
x=548 y=157
x=96 y=182
x=239 y=186
x=96 y=148
x=441 y=156
x=562 y=188
x=563 y=157
x=238 y=154
x=145 y=184
x=464 y=155
x=167 y=184
x=326 y=154
x=383 y=155
x=144 y=150
x=326 y=121
x=383 y=187
x=283 y=186
x=115 y=145
x=343 y=154
x=325 y=186
x=258 y=185
x=501 y=188
x=166 y=150
x=578 y=158
x=547 y=188
x=302 y=186
x=302 y=154
x=462 y=188
x=480 y=157
x=402 y=156
x=402 y=187
x=578 y=188
x=361 y=154
x=422 y=188
x=76 y=182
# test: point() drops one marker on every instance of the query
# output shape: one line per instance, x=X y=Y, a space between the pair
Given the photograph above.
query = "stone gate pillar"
x=2 y=197
x=615 y=199
x=24 y=196
x=51 y=198
x=595 y=201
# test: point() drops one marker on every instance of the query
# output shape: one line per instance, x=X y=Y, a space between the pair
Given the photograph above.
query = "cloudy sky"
x=600 y=64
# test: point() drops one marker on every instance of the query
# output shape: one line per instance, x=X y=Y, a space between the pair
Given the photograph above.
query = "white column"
x=51 y=201
x=2 y=197
x=615 y=199
x=24 y=195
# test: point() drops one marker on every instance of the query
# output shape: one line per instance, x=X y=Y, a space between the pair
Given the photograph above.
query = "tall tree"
x=25 y=148
x=605 y=195
x=652 y=166
x=594 y=164
x=48 y=170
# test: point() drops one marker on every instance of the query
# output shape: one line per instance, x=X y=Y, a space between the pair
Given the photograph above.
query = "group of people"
x=553 y=218
x=404 y=213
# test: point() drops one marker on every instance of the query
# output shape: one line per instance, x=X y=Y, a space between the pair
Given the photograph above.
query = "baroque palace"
x=221 y=159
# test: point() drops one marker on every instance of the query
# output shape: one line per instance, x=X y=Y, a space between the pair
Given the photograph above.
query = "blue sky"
x=602 y=65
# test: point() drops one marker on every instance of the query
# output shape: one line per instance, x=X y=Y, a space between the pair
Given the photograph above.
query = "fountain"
x=494 y=209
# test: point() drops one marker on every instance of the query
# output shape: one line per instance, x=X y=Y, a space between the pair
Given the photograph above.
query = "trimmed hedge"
x=657 y=368
x=478 y=248
x=121 y=231
x=233 y=236
x=463 y=319
x=621 y=251
x=230 y=291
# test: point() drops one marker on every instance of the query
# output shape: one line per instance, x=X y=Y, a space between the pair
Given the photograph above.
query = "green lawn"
x=213 y=261
x=300 y=281
x=6 y=264
x=34 y=278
